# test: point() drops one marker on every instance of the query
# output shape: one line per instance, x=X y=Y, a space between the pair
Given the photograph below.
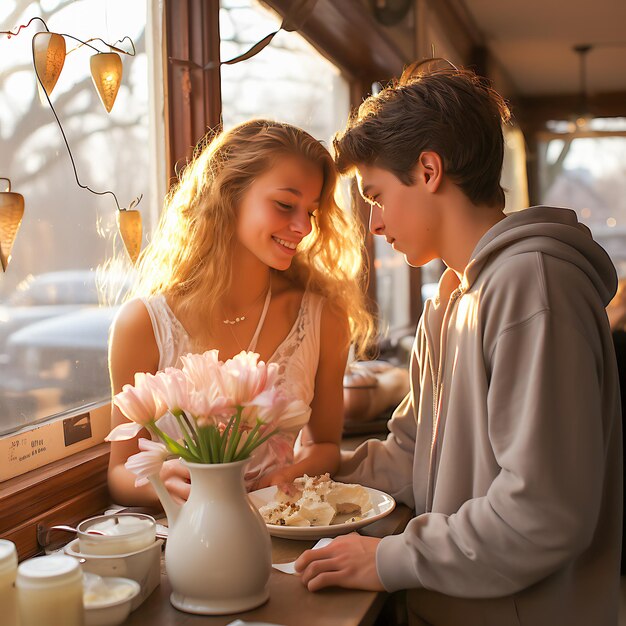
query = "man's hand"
x=349 y=561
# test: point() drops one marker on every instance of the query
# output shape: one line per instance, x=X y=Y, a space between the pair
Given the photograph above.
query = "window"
x=585 y=171
x=55 y=298
x=288 y=81
x=393 y=289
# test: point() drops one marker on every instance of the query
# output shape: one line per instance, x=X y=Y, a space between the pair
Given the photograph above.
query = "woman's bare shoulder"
x=132 y=336
x=132 y=346
x=132 y=318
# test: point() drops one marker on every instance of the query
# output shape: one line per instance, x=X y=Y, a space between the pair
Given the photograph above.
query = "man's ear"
x=429 y=170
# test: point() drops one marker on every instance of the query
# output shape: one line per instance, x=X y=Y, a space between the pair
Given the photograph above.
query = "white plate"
x=382 y=504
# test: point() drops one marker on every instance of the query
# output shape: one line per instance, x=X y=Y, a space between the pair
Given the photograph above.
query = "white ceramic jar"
x=50 y=591
x=122 y=533
x=8 y=593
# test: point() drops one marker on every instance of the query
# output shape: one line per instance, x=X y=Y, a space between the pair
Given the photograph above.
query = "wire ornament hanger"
x=48 y=55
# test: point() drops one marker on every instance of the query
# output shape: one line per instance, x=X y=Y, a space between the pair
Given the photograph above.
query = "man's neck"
x=464 y=225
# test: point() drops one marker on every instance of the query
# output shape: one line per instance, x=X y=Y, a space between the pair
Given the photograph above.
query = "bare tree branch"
x=553 y=170
x=50 y=161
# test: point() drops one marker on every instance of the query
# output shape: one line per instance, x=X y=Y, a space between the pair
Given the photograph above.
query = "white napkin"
x=289 y=568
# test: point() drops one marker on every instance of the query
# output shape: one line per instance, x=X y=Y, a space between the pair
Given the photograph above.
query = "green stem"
x=230 y=448
x=264 y=439
x=193 y=448
x=205 y=450
x=248 y=445
x=225 y=438
x=192 y=430
x=173 y=446
x=238 y=435
x=214 y=446
x=214 y=443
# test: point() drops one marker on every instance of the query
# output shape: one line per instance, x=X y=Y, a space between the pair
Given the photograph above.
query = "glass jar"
x=8 y=571
x=50 y=586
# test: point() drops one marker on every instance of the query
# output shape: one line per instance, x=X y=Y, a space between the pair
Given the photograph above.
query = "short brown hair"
x=450 y=111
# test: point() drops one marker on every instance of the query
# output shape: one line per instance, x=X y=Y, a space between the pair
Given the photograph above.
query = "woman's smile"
x=288 y=247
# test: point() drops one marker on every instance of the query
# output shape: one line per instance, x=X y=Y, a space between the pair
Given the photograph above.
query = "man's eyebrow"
x=296 y=192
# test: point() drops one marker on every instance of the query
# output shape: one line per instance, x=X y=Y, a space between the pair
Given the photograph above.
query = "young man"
x=508 y=446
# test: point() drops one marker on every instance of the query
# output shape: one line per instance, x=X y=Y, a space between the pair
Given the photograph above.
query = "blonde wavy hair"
x=189 y=255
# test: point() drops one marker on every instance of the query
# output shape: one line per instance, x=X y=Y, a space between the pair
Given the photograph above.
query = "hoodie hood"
x=553 y=231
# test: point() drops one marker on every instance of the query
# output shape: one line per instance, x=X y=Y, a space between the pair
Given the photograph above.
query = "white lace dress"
x=297 y=358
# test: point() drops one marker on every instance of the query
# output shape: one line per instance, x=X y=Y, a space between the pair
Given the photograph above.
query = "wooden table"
x=290 y=603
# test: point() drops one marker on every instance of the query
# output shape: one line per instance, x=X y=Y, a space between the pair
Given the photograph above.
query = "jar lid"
x=117 y=526
x=55 y=569
x=8 y=556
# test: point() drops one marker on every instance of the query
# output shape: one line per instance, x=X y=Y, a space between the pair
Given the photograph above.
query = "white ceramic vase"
x=218 y=554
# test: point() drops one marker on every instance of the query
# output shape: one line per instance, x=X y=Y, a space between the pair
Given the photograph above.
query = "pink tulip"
x=124 y=432
x=201 y=405
x=168 y=425
x=203 y=370
x=273 y=407
x=173 y=388
x=147 y=382
x=138 y=403
x=148 y=462
x=244 y=377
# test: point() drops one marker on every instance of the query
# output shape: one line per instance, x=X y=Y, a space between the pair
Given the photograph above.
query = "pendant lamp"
x=106 y=72
x=583 y=116
x=129 y=225
x=11 y=213
x=49 y=55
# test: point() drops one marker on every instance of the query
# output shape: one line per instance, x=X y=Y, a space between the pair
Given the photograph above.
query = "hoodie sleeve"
x=546 y=429
x=386 y=465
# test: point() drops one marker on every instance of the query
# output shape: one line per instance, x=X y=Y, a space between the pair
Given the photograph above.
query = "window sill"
x=63 y=492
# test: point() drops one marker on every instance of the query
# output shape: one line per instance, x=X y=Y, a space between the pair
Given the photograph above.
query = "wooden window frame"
x=193 y=93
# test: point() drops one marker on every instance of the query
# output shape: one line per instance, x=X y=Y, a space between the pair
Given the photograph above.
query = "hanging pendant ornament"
x=106 y=72
x=11 y=213
x=129 y=225
x=49 y=55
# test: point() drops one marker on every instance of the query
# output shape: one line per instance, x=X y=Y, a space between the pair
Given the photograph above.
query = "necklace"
x=259 y=326
x=243 y=317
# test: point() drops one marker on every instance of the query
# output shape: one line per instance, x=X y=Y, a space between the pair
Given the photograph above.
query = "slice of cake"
x=316 y=501
x=349 y=499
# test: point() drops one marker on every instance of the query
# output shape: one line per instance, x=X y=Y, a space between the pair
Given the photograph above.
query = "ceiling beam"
x=534 y=112
x=348 y=35
x=458 y=23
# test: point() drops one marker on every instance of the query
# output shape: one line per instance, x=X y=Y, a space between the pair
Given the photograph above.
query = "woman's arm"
x=133 y=348
x=319 y=451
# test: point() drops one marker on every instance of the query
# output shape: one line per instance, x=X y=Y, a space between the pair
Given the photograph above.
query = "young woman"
x=252 y=253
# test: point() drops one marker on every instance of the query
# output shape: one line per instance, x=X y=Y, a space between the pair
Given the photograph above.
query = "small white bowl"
x=115 y=612
x=143 y=566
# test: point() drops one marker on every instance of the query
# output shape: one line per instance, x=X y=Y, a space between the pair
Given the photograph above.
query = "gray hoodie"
x=509 y=444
